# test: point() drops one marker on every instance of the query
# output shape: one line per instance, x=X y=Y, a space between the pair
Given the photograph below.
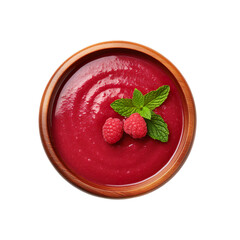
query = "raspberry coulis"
x=83 y=104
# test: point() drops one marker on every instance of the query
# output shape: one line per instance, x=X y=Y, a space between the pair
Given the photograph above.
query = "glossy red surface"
x=83 y=104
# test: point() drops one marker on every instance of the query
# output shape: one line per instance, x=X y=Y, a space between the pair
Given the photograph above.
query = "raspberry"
x=112 y=130
x=135 y=126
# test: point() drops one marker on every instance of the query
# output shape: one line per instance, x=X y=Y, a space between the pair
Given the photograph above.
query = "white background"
x=202 y=38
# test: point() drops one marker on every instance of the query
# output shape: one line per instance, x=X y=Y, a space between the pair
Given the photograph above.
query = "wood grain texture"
x=155 y=181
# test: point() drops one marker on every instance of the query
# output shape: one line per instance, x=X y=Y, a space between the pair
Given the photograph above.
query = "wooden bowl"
x=177 y=160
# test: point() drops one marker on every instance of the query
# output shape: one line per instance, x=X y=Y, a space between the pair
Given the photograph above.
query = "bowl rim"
x=155 y=181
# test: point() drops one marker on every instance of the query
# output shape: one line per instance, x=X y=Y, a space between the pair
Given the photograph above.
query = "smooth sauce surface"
x=83 y=105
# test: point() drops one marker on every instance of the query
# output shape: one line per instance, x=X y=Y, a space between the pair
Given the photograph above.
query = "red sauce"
x=83 y=104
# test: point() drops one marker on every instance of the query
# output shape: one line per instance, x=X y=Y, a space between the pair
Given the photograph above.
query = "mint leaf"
x=123 y=106
x=155 y=98
x=145 y=112
x=138 y=98
x=157 y=128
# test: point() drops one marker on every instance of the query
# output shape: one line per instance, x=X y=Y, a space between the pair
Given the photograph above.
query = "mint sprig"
x=144 y=105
